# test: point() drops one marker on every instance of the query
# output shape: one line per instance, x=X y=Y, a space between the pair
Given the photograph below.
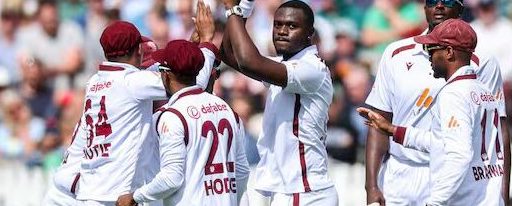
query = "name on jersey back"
x=213 y=108
x=100 y=86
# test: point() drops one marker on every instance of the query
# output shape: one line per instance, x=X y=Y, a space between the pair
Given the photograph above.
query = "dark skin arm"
x=506 y=161
x=250 y=61
x=226 y=52
x=377 y=146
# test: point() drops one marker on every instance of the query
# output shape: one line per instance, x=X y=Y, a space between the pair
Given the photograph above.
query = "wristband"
x=236 y=10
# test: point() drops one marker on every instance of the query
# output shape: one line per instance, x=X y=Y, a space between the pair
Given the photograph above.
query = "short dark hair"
x=127 y=55
x=297 y=4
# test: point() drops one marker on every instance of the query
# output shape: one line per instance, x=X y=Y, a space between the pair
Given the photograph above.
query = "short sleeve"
x=146 y=85
x=382 y=91
x=304 y=76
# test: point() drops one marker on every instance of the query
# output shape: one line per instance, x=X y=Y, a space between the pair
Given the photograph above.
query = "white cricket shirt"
x=202 y=153
x=291 y=145
x=406 y=87
x=465 y=143
x=117 y=122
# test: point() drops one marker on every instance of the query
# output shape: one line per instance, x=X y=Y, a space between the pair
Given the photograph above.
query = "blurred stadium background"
x=48 y=49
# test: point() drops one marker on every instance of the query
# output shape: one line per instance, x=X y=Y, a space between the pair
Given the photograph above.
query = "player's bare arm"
x=377 y=145
x=250 y=61
x=226 y=51
x=506 y=150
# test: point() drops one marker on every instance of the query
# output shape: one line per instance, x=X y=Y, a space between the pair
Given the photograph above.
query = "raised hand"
x=204 y=21
x=375 y=120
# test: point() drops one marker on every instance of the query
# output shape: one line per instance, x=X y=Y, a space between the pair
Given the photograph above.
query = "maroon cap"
x=119 y=38
x=181 y=57
x=452 y=32
x=148 y=46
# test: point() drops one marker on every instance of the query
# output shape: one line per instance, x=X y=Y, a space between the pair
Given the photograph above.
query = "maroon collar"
x=110 y=68
x=185 y=92
x=191 y=92
x=462 y=77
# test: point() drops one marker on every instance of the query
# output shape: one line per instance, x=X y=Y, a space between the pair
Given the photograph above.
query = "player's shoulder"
x=461 y=85
x=486 y=65
x=400 y=47
x=482 y=59
x=479 y=58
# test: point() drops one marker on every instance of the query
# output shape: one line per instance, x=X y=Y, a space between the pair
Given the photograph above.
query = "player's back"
x=117 y=122
x=214 y=145
x=482 y=182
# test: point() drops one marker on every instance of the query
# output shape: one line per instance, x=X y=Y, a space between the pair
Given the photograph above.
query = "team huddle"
x=434 y=105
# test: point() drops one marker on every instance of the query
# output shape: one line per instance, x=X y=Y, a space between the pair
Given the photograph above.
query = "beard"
x=439 y=73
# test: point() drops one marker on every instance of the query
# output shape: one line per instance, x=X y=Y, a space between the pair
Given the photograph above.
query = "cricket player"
x=464 y=141
x=201 y=139
x=293 y=165
x=403 y=90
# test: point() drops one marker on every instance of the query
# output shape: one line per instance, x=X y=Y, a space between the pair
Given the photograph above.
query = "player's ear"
x=311 y=35
x=139 y=51
x=450 y=53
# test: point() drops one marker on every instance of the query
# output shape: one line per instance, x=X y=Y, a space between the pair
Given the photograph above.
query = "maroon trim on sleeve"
x=403 y=48
x=110 y=68
x=212 y=48
x=399 y=135
x=75 y=182
x=183 y=121
x=475 y=59
x=76 y=130
x=161 y=110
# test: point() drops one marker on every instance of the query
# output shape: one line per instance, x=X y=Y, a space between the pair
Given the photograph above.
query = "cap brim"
x=159 y=56
x=145 y=39
x=425 y=39
x=149 y=62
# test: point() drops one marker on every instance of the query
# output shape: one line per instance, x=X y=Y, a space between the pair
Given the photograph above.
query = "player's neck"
x=176 y=86
x=288 y=56
x=126 y=60
x=452 y=69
